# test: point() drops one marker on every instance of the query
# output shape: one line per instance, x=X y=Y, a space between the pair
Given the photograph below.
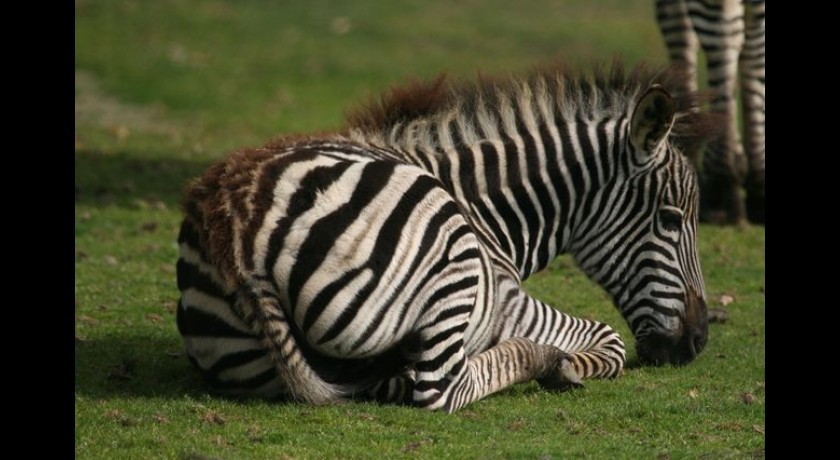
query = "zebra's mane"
x=609 y=91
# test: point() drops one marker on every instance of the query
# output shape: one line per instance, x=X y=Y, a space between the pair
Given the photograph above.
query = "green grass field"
x=165 y=88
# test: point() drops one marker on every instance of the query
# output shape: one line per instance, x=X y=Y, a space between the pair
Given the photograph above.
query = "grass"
x=165 y=88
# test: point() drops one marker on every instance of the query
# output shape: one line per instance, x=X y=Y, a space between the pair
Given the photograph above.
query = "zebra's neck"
x=528 y=177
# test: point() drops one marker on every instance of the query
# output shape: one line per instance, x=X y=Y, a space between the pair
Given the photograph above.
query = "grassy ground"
x=164 y=88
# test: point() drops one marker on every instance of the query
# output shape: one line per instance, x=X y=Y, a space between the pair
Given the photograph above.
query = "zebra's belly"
x=359 y=261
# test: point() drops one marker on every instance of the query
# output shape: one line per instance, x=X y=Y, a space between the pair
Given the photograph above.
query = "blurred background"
x=194 y=79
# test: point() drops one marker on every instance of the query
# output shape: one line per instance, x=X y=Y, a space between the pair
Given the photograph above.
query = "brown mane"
x=604 y=88
x=418 y=98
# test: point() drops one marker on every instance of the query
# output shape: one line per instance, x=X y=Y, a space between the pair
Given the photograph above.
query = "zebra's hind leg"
x=681 y=41
x=752 y=97
x=719 y=25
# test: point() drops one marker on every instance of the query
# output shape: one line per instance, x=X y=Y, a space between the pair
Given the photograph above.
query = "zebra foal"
x=386 y=261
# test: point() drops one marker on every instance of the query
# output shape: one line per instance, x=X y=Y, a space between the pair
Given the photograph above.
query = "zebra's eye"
x=670 y=219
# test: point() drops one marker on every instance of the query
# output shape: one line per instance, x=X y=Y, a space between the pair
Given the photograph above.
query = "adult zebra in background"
x=386 y=261
x=731 y=33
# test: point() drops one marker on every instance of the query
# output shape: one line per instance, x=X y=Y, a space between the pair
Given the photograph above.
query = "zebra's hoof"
x=755 y=205
x=561 y=378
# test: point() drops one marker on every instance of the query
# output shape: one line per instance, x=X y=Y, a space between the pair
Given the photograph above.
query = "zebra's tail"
x=302 y=381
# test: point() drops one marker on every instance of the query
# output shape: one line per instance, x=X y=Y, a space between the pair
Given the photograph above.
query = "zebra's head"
x=646 y=251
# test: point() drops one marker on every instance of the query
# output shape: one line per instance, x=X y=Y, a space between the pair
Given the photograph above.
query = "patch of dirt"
x=213 y=417
x=154 y=318
x=414 y=446
x=255 y=434
x=120 y=418
x=517 y=425
x=87 y=320
x=149 y=226
x=468 y=414
x=366 y=416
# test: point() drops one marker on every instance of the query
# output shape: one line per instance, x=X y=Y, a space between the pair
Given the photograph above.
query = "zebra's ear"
x=652 y=120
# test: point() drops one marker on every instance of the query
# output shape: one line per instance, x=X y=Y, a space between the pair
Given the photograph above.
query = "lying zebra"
x=386 y=261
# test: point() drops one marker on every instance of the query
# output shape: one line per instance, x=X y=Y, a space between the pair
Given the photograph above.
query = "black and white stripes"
x=386 y=261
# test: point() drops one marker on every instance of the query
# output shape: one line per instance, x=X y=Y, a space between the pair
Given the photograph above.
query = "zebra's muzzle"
x=679 y=348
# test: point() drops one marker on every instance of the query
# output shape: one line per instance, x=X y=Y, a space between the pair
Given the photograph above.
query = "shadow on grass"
x=121 y=365
x=128 y=179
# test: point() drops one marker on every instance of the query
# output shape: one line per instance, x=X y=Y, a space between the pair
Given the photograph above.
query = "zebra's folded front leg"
x=466 y=380
x=595 y=350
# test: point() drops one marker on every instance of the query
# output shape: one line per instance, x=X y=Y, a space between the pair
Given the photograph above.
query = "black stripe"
x=440 y=359
x=190 y=276
x=188 y=234
x=515 y=178
x=252 y=383
x=646 y=280
x=500 y=204
x=263 y=199
x=545 y=207
x=466 y=163
x=322 y=234
x=197 y=323
x=556 y=182
x=236 y=359
x=572 y=165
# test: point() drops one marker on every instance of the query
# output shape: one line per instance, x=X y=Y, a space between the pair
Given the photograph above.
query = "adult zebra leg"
x=752 y=98
x=681 y=42
x=720 y=28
